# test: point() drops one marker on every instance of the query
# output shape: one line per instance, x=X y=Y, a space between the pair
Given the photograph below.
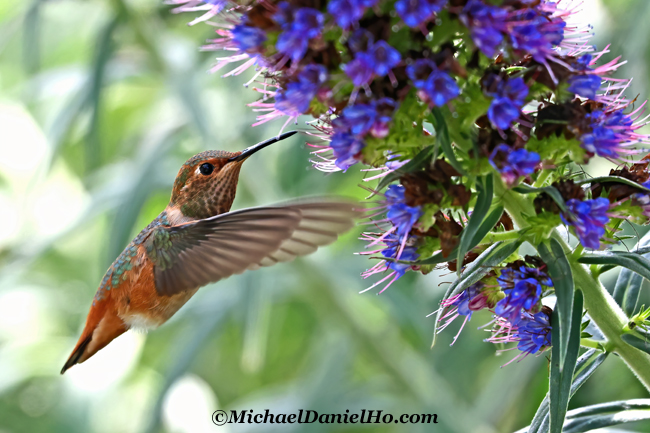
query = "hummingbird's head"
x=206 y=184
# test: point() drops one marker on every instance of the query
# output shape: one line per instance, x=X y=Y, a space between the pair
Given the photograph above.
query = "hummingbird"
x=196 y=240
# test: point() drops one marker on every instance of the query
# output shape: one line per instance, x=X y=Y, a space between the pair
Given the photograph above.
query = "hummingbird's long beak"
x=251 y=150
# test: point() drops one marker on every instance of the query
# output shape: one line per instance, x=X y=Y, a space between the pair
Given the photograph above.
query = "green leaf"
x=418 y=161
x=627 y=288
x=493 y=256
x=607 y=414
x=562 y=277
x=616 y=179
x=637 y=342
x=486 y=226
x=483 y=202
x=628 y=284
x=103 y=54
x=550 y=190
x=442 y=139
x=585 y=367
x=562 y=373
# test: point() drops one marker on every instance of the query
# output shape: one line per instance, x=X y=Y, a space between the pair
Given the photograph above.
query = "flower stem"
x=602 y=308
x=491 y=238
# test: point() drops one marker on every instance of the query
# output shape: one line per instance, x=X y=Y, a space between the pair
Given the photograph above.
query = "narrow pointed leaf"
x=585 y=367
x=613 y=179
x=443 y=140
x=562 y=374
x=562 y=277
x=483 y=202
x=607 y=414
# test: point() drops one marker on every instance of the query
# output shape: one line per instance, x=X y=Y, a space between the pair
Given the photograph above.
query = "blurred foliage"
x=100 y=103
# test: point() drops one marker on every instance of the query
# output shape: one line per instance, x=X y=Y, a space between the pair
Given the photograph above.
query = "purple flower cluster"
x=532 y=30
x=611 y=134
x=397 y=240
x=509 y=97
x=523 y=290
x=296 y=97
x=588 y=218
x=532 y=333
x=402 y=216
x=513 y=164
x=298 y=27
x=585 y=84
x=377 y=60
x=355 y=123
x=347 y=13
x=474 y=298
x=415 y=13
x=434 y=86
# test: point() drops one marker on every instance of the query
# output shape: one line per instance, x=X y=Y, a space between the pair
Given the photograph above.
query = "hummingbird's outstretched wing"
x=192 y=255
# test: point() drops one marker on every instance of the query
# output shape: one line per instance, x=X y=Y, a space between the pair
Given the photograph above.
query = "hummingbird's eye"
x=206 y=168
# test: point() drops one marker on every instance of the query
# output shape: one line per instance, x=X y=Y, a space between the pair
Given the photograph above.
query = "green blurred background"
x=101 y=101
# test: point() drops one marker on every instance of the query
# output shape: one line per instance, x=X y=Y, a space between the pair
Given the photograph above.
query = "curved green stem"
x=602 y=308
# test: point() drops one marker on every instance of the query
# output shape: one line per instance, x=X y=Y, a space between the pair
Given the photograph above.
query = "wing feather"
x=194 y=254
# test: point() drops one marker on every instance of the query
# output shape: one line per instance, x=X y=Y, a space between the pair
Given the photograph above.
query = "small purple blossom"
x=304 y=24
x=533 y=333
x=248 y=39
x=474 y=298
x=436 y=86
x=415 y=13
x=392 y=247
x=345 y=148
x=584 y=85
x=359 y=70
x=588 y=218
x=402 y=216
x=513 y=164
x=523 y=290
x=509 y=97
x=382 y=58
x=347 y=13
x=487 y=24
x=611 y=134
x=297 y=96
x=536 y=32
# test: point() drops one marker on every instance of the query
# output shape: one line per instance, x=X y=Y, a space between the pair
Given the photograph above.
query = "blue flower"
x=487 y=24
x=408 y=254
x=588 y=219
x=533 y=333
x=611 y=133
x=359 y=70
x=361 y=119
x=536 y=33
x=298 y=28
x=399 y=213
x=346 y=13
x=509 y=97
x=248 y=38
x=584 y=85
x=517 y=163
x=523 y=290
x=414 y=13
x=382 y=58
x=436 y=86
x=296 y=97
x=346 y=147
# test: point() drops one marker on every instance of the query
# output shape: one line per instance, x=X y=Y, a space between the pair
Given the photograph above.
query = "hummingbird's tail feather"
x=102 y=326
